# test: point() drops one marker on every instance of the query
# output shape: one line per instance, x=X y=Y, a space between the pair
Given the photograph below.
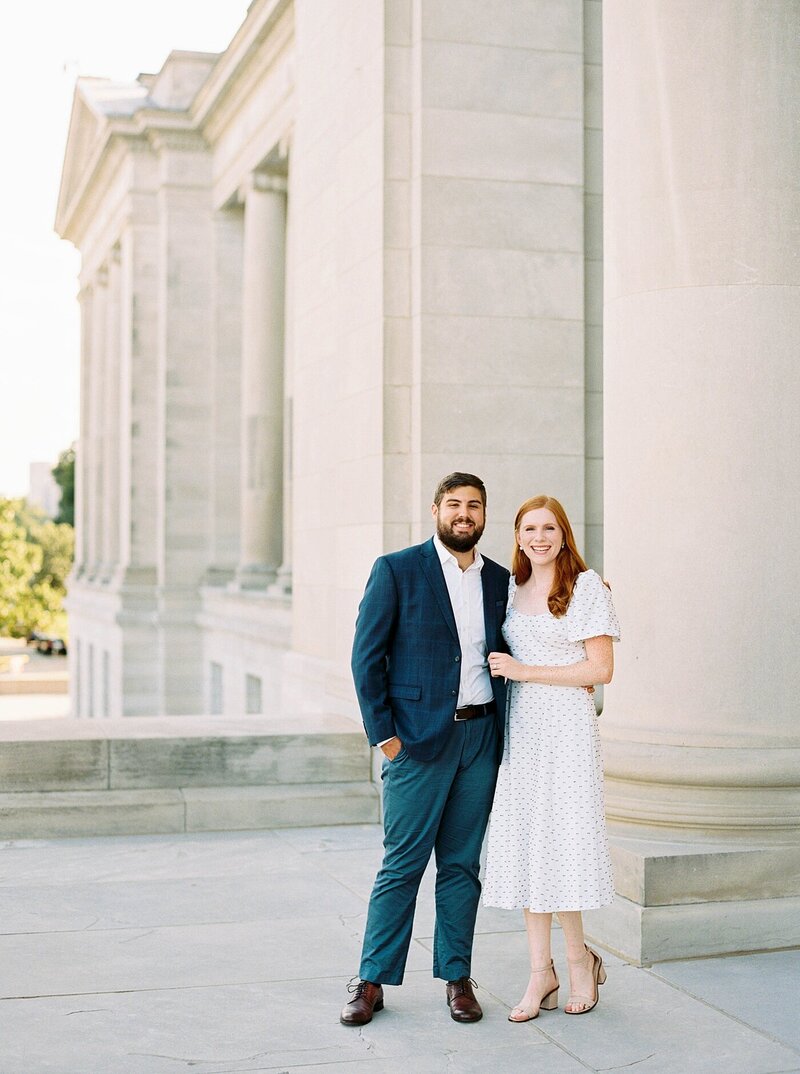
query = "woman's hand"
x=503 y=666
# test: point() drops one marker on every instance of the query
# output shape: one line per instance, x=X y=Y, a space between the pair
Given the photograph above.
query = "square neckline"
x=528 y=615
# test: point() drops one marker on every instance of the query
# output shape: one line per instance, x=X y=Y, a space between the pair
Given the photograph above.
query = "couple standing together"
x=442 y=634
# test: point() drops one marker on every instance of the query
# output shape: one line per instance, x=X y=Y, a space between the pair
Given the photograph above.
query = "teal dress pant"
x=440 y=806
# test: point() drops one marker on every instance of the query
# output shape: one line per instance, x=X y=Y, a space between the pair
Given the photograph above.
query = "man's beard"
x=457 y=542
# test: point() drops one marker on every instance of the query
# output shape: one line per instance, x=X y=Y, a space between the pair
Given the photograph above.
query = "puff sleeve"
x=591 y=610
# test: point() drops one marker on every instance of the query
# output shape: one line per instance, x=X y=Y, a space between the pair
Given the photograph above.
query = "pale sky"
x=47 y=45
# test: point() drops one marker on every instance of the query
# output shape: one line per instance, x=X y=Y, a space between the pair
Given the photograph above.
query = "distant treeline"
x=35 y=559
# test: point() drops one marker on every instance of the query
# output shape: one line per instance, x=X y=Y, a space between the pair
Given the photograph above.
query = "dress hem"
x=551 y=910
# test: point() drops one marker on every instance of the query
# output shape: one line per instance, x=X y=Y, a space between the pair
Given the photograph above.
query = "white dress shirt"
x=466 y=598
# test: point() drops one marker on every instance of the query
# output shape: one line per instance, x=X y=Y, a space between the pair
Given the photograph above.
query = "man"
x=428 y=618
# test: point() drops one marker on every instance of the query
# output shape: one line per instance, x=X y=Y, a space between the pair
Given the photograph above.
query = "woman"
x=548 y=849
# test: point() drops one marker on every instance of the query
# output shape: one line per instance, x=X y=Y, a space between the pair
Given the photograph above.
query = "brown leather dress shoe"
x=461 y=1001
x=367 y=997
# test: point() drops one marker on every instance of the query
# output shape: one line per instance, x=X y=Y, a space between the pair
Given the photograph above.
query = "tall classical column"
x=137 y=689
x=110 y=418
x=263 y=299
x=228 y=231
x=138 y=390
x=96 y=429
x=702 y=332
x=284 y=579
x=82 y=450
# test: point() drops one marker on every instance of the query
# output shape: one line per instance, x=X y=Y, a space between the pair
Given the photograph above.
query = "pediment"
x=96 y=103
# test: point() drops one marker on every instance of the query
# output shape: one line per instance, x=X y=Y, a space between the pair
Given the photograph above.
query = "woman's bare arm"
x=598 y=667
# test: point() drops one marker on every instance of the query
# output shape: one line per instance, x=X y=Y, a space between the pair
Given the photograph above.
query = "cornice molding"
x=118 y=137
x=260 y=21
x=182 y=139
x=96 y=184
x=148 y=131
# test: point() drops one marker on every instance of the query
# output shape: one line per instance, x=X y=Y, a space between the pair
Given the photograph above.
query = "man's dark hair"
x=457 y=481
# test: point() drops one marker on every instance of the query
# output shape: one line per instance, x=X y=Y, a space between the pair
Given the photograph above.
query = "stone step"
x=52 y=814
x=139 y=753
x=151 y=775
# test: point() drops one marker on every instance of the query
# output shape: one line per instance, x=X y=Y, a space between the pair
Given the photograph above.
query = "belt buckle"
x=459 y=719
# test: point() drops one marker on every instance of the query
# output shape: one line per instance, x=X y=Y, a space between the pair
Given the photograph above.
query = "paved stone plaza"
x=229 y=952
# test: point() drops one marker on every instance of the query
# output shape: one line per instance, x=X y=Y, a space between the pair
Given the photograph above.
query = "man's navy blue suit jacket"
x=406 y=655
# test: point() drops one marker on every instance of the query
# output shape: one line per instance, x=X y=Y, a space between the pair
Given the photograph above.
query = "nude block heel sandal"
x=599 y=974
x=548 y=1002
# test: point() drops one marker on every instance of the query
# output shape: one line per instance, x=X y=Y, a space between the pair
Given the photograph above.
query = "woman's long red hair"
x=569 y=563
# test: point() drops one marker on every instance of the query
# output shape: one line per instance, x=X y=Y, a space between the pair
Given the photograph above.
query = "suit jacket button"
x=454 y=693
x=457 y=659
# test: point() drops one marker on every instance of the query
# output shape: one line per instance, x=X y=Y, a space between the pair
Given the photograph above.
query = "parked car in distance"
x=47 y=644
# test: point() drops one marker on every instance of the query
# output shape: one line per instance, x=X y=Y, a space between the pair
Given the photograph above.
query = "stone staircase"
x=149 y=775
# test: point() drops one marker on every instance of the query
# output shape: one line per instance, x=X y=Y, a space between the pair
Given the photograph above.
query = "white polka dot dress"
x=548 y=848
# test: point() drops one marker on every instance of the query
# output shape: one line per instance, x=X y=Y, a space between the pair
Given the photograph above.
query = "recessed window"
x=215 y=699
x=253 y=694
x=90 y=683
x=106 y=684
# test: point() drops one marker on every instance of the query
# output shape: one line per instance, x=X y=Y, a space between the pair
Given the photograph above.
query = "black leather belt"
x=473 y=712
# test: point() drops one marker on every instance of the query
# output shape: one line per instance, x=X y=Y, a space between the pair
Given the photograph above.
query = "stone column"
x=94 y=461
x=110 y=417
x=185 y=347
x=139 y=396
x=262 y=381
x=228 y=231
x=702 y=331
x=593 y=281
x=82 y=450
x=137 y=690
x=284 y=580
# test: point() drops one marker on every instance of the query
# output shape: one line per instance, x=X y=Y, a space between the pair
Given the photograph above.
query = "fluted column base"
x=725 y=787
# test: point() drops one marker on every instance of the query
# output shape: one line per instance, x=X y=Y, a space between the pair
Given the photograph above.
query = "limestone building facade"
x=364 y=246
x=357 y=249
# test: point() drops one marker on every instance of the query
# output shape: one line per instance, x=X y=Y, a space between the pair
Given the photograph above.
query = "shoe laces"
x=356 y=987
x=460 y=986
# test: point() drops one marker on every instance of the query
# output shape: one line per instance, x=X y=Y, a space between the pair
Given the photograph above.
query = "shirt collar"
x=445 y=555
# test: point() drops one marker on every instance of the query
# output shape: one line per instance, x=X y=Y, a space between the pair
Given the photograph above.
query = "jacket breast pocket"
x=408 y=693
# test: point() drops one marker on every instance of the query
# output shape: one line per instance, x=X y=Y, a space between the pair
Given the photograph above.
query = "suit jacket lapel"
x=489 y=613
x=433 y=572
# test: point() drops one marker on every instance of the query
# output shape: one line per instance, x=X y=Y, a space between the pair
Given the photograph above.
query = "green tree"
x=35 y=559
x=64 y=474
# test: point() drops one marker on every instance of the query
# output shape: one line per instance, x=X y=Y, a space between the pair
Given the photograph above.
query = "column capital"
x=262 y=182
